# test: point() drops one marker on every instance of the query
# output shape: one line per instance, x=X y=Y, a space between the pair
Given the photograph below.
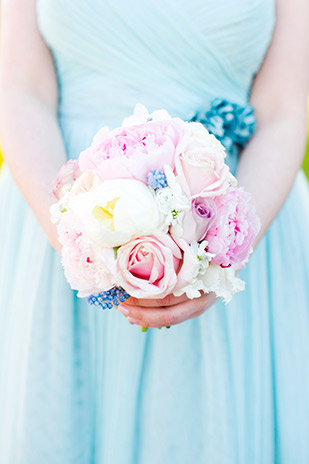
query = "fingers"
x=169 y=300
x=164 y=317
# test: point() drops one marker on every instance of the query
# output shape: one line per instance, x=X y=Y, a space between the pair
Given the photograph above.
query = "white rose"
x=202 y=260
x=115 y=211
x=202 y=164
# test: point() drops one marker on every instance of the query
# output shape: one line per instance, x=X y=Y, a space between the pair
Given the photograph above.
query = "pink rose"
x=88 y=268
x=132 y=152
x=202 y=165
x=147 y=266
x=68 y=173
x=198 y=219
x=236 y=225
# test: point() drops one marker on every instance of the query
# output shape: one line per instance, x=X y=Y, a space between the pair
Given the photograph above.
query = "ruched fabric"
x=83 y=386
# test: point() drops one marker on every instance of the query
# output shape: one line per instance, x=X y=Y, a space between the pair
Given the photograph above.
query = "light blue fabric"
x=82 y=386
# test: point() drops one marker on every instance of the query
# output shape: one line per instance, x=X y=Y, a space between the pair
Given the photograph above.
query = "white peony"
x=115 y=211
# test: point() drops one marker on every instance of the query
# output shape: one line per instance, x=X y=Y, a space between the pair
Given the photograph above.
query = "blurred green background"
x=305 y=164
x=306 y=160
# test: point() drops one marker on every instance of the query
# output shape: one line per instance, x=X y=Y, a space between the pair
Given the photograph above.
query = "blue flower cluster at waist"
x=232 y=124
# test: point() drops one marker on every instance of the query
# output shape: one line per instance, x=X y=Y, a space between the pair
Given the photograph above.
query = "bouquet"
x=151 y=209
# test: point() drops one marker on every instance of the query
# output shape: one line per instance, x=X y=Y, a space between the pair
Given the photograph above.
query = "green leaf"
x=175 y=213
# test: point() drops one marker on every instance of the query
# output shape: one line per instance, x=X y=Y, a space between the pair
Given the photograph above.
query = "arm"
x=30 y=135
x=269 y=163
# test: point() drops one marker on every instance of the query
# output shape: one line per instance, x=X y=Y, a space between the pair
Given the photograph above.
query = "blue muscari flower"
x=157 y=179
x=230 y=123
x=110 y=298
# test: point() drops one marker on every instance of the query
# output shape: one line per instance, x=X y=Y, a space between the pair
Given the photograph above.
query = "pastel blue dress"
x=83 y=386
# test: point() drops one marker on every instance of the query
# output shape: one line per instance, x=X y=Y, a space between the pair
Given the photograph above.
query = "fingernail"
x=131 y=320
x=123 y=310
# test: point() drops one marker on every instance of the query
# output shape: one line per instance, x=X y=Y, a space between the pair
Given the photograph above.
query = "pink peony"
x=68 y=173
x=236 y=225
x=147 y=266
x=88 y=269
x=201 y=164
x=132 y=152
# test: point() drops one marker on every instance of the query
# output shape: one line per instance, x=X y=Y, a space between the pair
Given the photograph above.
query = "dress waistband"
x=231 y=123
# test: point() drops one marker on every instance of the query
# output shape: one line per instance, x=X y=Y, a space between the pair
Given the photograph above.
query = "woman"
x=83 y=386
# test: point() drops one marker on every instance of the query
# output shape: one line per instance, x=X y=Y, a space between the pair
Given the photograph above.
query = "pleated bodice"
x=164 y=54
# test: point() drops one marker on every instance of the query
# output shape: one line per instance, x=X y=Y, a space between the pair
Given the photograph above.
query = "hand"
x=165 y=312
